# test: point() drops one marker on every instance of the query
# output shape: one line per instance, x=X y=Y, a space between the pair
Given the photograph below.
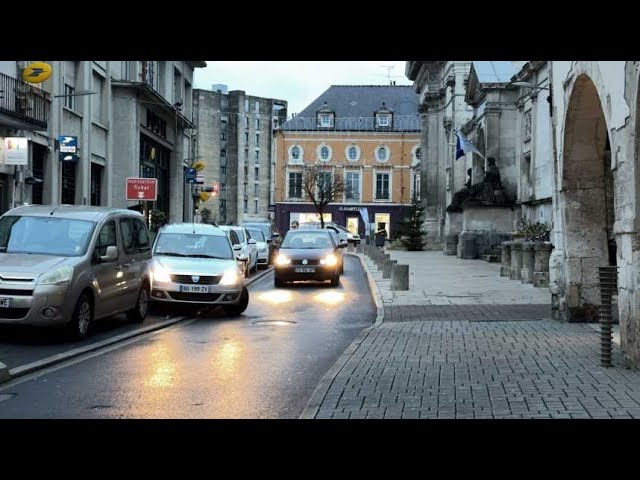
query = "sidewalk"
x=467 y=343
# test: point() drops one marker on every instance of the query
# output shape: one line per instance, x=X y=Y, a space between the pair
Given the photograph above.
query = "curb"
x=313 y=405
x=258 y=276
x=7 y=374
x=76 y=352
x=4 y=373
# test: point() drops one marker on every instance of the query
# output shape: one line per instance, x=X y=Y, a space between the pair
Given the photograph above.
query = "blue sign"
x=68 y=148
x=190 y=175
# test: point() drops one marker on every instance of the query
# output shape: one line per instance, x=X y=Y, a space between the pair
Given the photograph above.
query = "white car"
x=194 y=263
x=261 y=245
x=344 y=235
x=248 y=252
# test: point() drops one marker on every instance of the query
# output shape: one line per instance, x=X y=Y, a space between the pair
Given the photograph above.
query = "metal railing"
x=23 y=102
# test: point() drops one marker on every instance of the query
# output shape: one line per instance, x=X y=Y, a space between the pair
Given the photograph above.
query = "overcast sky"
x=299 y=83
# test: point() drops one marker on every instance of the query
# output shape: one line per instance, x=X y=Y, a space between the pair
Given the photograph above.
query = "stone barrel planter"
x=542 y=252
x=526 y=273
x=505 y=259
x=516 y=261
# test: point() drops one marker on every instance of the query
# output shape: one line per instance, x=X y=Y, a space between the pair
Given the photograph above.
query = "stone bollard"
x=505 y=266
x=516 y=261
x=399 y=277
x=451 y=244
x=360 y=248
x=526 y=273
x=542 y=252
x=381 y=259
x=386 y=269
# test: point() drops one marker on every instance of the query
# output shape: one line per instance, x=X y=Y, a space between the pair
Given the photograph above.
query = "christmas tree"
x=412 y=230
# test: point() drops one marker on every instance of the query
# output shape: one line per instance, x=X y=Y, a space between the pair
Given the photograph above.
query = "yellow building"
x=369 y=136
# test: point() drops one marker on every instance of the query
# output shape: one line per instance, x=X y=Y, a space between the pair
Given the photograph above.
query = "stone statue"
x=461 y=195
x=490 y=190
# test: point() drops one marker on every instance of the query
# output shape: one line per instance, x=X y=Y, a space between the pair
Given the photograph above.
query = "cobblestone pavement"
x=482 y=369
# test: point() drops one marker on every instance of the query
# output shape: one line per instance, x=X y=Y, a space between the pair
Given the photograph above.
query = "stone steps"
x=491 y=258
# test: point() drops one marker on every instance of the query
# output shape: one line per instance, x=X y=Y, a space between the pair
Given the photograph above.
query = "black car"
x=308 y=254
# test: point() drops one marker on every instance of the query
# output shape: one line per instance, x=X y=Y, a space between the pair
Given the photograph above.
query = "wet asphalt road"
x=263 y=364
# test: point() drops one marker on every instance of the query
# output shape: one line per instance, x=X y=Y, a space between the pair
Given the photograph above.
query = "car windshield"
x=256 y=235
x=193 y=245
x=265 y=228
x=45 y=235
x=296 y=239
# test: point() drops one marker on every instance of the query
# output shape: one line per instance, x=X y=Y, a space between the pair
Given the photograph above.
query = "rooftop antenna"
x=388 y=74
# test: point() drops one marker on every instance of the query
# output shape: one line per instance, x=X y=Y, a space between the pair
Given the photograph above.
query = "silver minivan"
x=70 y=265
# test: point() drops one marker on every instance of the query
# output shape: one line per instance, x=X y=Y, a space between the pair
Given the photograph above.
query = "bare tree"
x=322 y=187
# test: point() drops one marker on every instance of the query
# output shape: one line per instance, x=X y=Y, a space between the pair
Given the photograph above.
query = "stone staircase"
x=493 y=256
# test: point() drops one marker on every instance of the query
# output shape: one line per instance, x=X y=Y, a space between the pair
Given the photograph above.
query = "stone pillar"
x=542 y=252
x=451 y=244
x=505 y=258
x=516 y=261
x=526 y=275
x=386 y=269
x=399 y=277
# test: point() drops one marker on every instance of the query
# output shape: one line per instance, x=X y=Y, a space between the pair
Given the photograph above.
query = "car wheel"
x=139 y=312
x=242 y=304
x=335 y=280
x=78 y=327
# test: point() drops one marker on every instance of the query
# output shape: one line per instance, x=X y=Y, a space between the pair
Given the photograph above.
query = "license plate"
x=305 y=270
x=5 y=302
x=194 y=288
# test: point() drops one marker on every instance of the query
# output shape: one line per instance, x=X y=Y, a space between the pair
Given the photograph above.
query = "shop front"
x=348 y=216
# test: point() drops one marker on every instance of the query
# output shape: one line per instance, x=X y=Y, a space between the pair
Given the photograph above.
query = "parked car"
x=308 y=254
x=271 y=235
x=194 y=263
x=261 y=245
x=342 y=232
x=248 y=252
x=69 y=266
x=340 y=251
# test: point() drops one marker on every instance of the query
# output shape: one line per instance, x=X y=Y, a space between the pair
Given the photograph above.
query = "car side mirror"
x=111 y=255
x=276 y=235
x=269 y=240
x=242 y=258
x=343 y=244
x=237 y=247
x=252 y=241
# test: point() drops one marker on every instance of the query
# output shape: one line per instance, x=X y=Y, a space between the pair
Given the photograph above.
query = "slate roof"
x=354 y=107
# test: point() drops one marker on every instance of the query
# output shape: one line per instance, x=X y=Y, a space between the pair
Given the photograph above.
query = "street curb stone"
x=7 y=374
x=323 y=386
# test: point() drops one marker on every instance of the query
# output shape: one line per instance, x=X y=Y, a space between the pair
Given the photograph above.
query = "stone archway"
x=587 y=202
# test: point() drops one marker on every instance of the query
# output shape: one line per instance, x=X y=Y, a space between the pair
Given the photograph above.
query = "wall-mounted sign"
x=68 y=148
x=37 y=72
x=142 y=189
x=16 y=151
x=199 y=178
x=190 y=175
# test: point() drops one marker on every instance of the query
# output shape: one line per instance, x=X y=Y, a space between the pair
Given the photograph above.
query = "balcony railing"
x=23 y=103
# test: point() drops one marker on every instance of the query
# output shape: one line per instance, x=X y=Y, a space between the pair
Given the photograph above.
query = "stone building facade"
x=235 y=140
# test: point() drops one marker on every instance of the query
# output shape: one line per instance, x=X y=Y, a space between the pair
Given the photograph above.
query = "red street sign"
x=142 y=189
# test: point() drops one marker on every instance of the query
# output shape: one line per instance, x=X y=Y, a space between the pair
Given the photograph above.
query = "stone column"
x=542 y=252
x=526 y=275
x=505 y=258
x=516 y=261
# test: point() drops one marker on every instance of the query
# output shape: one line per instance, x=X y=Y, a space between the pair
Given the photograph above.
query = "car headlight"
x=282 y=259
x=230 y=277
x=56 y=277
x=161 y=274
x=330 y=260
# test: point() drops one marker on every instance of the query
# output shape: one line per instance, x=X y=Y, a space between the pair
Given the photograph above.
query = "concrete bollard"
x=359 y=248
x=399 y=277
x=383 y=258
x=505 y=259
x=386 y=269
x=516 y=261
x=526 y=275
